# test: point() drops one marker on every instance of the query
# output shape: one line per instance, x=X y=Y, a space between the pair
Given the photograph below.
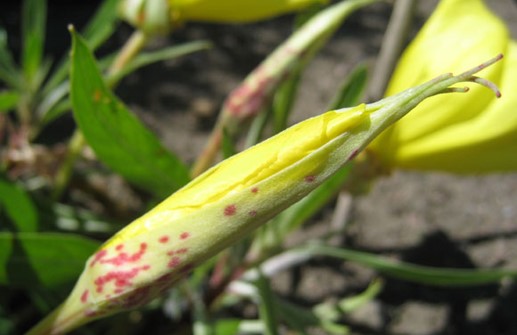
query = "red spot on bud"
x=230 y=210
x=309 y=179
x=119 y=247
x=164 y=239
x=252 y=213
x=175 y=261
x=123 y=257
x=184 y=235
x=84 y=296
x=181 y=251
x=254 y=190
x=98 y=257
x=121 y=279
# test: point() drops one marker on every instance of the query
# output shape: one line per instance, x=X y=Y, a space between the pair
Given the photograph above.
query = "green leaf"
x=8 y=100
x=48 y=259
x=257 y=127
x=147 y=58
x=351 y=304
x=54 y=105
x=18 y=206
x=33 y=29
x=415 y=273
x=118 y=138
x=228 y=145
x=351 y=89
x=238 y=326
x=284 y=98
x=297 y=317
x=333 y=311
x=99 y=28
x=103 y=24
x=8 y=69
x=267 y=310
x=227 y=326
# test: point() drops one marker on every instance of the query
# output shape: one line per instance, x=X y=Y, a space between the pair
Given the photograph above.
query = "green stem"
x=209 y=153
x=391 y=48
x=131 y=48
x=75 y=146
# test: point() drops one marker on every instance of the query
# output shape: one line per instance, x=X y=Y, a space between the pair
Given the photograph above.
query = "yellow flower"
x=234 y=11
x=224 y=204
x=160 y=16
x=462 y=134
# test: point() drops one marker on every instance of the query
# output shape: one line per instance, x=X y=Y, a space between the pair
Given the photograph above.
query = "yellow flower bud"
x=224 y=204
x=452 y=133
x=234 y=11
x=160 y=16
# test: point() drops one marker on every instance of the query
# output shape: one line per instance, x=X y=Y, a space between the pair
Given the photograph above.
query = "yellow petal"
x=450 y=40
x=486 y=143
x=234 y=11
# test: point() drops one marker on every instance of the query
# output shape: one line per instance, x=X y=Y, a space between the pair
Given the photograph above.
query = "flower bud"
x=156 y=17
x=224 y=204
x=234 y=11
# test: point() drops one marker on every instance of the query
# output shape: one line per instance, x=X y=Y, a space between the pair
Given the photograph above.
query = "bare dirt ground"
x=430 y=219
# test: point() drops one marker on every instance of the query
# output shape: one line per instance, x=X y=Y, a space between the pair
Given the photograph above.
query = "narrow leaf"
x=415 y=273
x=99 y=28
x=351 y=89
x=267 y=305
x=34 y=19
x=118 y=138
x=227 y=326
x=284 y=98
x=8 y=100
x=28 y=259
x=147 y=58
x=228 y=145
x=8 y=69
x=18 y=207
x=103 y=23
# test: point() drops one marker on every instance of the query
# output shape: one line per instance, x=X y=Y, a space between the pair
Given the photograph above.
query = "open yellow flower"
x=451 y=133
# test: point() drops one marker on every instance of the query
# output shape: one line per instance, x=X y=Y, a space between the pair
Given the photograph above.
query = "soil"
x=424 y=218
x=430 y=219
